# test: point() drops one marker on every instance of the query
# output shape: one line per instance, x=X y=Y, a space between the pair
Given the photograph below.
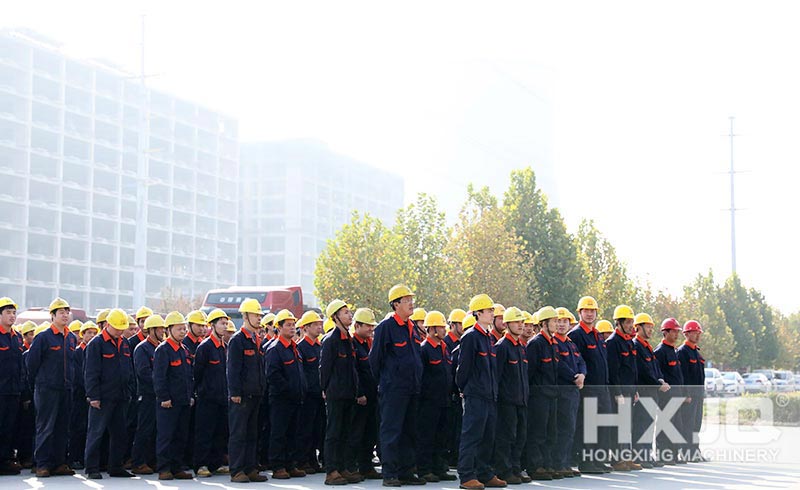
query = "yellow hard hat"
x=41 y=328
x=587 y=303
x=623 y=312
x=6 y=301
x=174 y=318
x=103 y=315
x=563 y=313
x=154 y=321
x=528 y=318
x=547 y=313
x=267 y=320
x=643 y=318
x=457 y=316
x=231 y=327
x=535 y=317
x=88 y=326
x=328 y=325
x=469 y=321
x=57 y=304
x=118 y=319
x=26 y=327
x=308 y=318
x=572 y=320
x=513 y=314
x=418 y=315
x=399 y=291
x=131 y=320
x=365 y=316
x=284 y=315
x=604 y=326
x=435 y=319
x=196 y=316
x=481 y=302
x=143 y=312
x=75 y=326
x=333 y=307
x=216 y=314
x=499 y=309
x=250 y=305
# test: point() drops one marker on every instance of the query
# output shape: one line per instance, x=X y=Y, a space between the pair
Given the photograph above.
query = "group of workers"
x=502 y=395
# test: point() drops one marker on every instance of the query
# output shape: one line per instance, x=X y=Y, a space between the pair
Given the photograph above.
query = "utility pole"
x=140 y=252
x=733 y=205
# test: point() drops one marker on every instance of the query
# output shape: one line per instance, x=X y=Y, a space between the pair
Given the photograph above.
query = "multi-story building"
x=294 y=196
x=70 y=156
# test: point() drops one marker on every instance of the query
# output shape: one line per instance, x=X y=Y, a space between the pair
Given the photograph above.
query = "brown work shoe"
x=620 y=466
x=281 y=474
x=472 y=485
x=335 y=478
x=165 y=475
x=255 y=476
x=495 y=483
x=142 y=469
x=352 y=476
x=182 y=475
x=63 y=470
x=372 y=474
x=240 y=477
x=633 y=466
x=297 y=473
x=42 y=473
x=309 y=470
x=512 y=479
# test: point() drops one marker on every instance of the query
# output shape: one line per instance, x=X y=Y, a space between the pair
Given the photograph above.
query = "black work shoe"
x=94 y=476
x=412 y=480
x=120 y=474
x=392 y=482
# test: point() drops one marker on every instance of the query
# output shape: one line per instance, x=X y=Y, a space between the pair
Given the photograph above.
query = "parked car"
x=733 y=383
x=784 y=381
x=714 y=383
x=770 y=374
x=756 y=383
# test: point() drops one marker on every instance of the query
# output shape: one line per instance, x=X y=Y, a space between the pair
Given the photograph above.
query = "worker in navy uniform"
x=25 y=423
x=49 y=363
x=265 y=336
x=308 y=438
x=498 y=326
x=592 y=348
x=364 y=425
x=650 y=382
x=666 y=447
x=108 y=367
x=694 y=377
x=542 y=405
x=137 y=336
x=79 y=417
x=571 y=375
x=418 y=319
x=396 y=364
x=10 y=383
x=452 y=340
x=512 y=400
x=287 y=389
x=338 y=380
x=198 y=330
x=246 y=385
x=434 y=401
x=211 y=409
x=622 y=378
x=476 y=377
x=173 y=383
x=144 y=443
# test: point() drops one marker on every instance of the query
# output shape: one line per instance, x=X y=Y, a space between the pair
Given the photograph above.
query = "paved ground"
x=745 y=460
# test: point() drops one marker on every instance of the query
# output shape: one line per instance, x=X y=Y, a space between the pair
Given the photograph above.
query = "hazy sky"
x=622 y=107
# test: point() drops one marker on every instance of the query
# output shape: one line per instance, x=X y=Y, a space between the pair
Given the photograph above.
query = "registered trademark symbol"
x=782 y=400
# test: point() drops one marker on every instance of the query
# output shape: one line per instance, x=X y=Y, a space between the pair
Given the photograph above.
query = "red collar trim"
x=4 y=331
x=586 y=328
x=644 y=342
x=547 y=337
x=55 y=330
x=343 y=333
x=621 y=334
x=359 y=339
x=82 y=345
x=141 y=336
x=193 y=338
x=108 y=338
x=154 y=342
x=175 y=345
x=667 y=343
x=511 y=338
x=691 y=345
x=562 y=338
x=480 y=329
x=217 y=342
x=433 y=341
x=497 y=335
x=453 y=336
x=26 y=344
x=247 y=333
x=310 y=340
x=284 y=342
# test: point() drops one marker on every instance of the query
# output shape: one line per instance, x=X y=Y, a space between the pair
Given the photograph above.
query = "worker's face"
x=140 y=323
x=28 y=337
x=588 y=316
x=114 y=333
x=438 y=332
x=220 y=326
x=606 y=335
x=345 y=316
x=60 y=317
x=405 y=307
x=132 y=330
x=457 y=328
x=8 y=317
x=527 y=330
x=251 y=320
x=499 y=325
x=563 y=326
x=626 y=326
x=693 y=337
x=551 y=326
x=88 y=335
x=671 y=336
x=314 y=329
x=645 y=330
x=198 y=330
x=159 y=332
x=178 y=332
x=287 y=329
x=485 y=316
x=515 y=328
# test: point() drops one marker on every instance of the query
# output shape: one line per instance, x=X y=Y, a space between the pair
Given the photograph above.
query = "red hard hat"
x=670 y=324
x=692 y=326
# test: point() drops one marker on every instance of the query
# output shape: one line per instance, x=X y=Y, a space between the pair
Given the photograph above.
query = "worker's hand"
x=579 y=379
x=688 y=400
x=664 y=387
x=191 y=402
x=323 y=395
x=361 y=400
x=236 y=399
x=620 y=399
x=166 y=404
x=95 y=404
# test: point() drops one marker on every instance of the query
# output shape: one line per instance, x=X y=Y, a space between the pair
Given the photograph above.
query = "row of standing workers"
x=418 y=393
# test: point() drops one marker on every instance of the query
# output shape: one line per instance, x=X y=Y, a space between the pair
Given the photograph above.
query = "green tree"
x=605 y=274
x=424 y=235
x=552 y=270
x=701 y=302
x=744 y=321
x=361 y=264
x=788 y=336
